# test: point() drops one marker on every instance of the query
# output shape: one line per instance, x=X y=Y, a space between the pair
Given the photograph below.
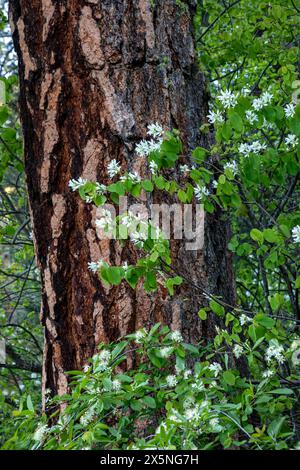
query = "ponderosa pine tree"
x=93 y=75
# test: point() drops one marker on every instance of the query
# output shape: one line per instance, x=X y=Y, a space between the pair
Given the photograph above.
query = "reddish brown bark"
x=93 y=74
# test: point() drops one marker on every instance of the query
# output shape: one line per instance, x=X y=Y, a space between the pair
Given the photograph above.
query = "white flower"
x=101 y=361
x=232 y=166
x=113 y=168
x=275 y=350
x=40 y=433
x=268 y=125
x=166 y=352
x=176 y=336
x=155 y=130
x=100 y=188
x=264 y=100
x=154 y=146
x=289 y=110
x=142 y=148
x=215 y=117
x=296 y=342
x=106 y=221
x=184 y=169
x=138 y=238
x=125 y=266
x=214 y=184
x=76 y=184
x=201 y=192
x=215 y=425
x=192 y=414
x=153 y=167
x=251 y=116
x=187 y=373
x=245 y=149
x=291 y=141
x=227 y=98
x=86 y=368
x=216 y=368
x=94 y=267
x=116 y=385
x=140 y=335
x=133 y=176
x=267 y=374
x=256 y=146
x=87 y=417
x=171 y=380
x=296 y=234
x=198 y=386
x=244 y=319
x=257 y=104
x=238 y=350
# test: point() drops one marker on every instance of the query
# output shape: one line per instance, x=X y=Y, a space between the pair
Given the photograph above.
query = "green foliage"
x=163 y=403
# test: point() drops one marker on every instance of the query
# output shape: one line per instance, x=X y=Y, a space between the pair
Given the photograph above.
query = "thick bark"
x=93 y=74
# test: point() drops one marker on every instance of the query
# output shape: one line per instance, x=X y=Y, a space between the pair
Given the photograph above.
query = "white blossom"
x=155 y=130
x=113 y=168
x=133 y=176
x=140 y=335
x=77 y=184
x=184 y=169
x=106 y=220
x=40 y=433
x=216 y=368
x=171 y=380
x=251 y=116
x=153 y=167
x=214 y=184
x=291 y=141
x=215 y=117
x=101 y=360
x=187 y=373
x=257 y=147
x=125 y=266
x=232 y=166
x=238 y=350
x=201 y=192
x=289 y=110
x=142 y=148
x=100 y=188
x=296 y=234
x=227 y=98
x=87 y=417
x=95 y=266
x=244 y=149
x=214 y=423
x=166 y=352
x=176 y=336
x=264 y=100
x=267 y=374
x=198 y=386
x=244 y=319
x=275 y=350
x=296 y=342
x=116 y=385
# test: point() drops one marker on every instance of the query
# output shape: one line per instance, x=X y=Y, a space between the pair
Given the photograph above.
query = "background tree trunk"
x=93 y=75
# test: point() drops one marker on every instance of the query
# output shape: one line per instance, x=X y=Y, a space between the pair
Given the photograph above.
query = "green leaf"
x=202 y=314
x=217 y=308
x=257 y=236
x=265 y=321
x=149 y=401
x=229 y=377
x=147 y=186
x=282 y=391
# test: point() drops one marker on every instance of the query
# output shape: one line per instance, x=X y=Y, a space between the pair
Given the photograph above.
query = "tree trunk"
x=93 y=75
